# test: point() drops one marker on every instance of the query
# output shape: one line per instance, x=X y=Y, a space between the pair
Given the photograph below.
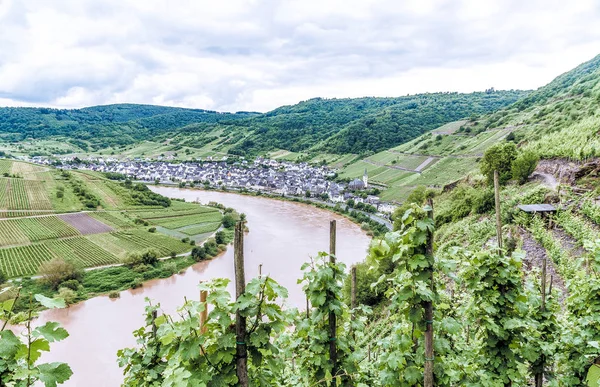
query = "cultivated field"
x=32 y=230
x=85 y=224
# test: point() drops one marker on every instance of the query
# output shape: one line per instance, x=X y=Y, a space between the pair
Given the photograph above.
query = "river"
x=282 y=236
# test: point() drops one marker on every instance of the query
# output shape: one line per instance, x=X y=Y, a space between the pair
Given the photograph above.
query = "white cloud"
x=259 y=54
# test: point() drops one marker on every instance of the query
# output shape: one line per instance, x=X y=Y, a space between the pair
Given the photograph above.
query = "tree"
x=229 y=221
x=220 y=238
x=524 y=165
x=499 y=157
x=2 y=278
x=58 y=270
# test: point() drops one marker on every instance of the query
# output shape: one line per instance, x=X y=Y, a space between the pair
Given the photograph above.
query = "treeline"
x=362 y=125
x=330 y=125
x=102 y=126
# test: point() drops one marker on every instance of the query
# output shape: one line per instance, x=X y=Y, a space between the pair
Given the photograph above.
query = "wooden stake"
x=428 y=306
x=498 y=214
x=204 y=313
x=154 y=328
x=353 y=288
x=240 y=321
x=539 y=377
x=332 y=318
x=307 y=308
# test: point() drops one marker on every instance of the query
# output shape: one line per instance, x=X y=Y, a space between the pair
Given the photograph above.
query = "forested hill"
x=363 y=124
x=326 y=125
x=102 y=126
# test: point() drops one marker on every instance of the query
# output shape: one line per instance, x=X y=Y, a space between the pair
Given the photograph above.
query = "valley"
x=464 y=260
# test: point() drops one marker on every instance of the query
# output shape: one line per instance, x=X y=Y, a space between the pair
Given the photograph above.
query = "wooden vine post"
x=332 y=319
x=539 y=377
x=428 y=306
x=240 y=321
x=353 y=295
x=204 y=313
x=498 y=214
x=353 y=288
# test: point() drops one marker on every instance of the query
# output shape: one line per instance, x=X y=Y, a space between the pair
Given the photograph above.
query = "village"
x=281 y=178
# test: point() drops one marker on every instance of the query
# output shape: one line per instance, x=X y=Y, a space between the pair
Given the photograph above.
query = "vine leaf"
x=52 y=374
x=50 y=303
x=51 y=331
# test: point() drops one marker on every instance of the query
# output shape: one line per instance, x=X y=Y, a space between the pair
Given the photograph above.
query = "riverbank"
x=114 y=279
x=377 y=226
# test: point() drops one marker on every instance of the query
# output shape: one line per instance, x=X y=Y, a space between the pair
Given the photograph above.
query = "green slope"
x=336 y=126
x=559 y=120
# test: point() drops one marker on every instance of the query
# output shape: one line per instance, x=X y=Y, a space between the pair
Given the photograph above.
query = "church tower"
x=366 y=179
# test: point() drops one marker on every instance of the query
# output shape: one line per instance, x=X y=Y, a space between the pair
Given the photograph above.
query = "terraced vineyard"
x=32 y=230
x=24 y=260
x=182 y=221
x=16 y=195
x=81 y=251
x=113 y=219
x=37 y=195
x=5 y=166
x=142 y=240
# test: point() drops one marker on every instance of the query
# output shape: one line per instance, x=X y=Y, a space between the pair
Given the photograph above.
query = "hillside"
x=318 y=125
x=101 y=126
x=559 y=120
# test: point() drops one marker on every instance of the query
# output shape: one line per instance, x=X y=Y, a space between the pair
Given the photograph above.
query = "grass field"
x=5 y=166
x=200 y=229
x=183 y=221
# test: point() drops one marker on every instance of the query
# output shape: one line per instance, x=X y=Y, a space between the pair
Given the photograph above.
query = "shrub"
x=192 y=242
x=220 y=238
x=141 y=268
x=199 y=253
x=185 y=240
x=132 y=259
x=229 y=221
x=72 y=284
x=3 y=278
x=114 y=295
x=499 y=157
x=173 y=254
x=524 y=165
x=152 y=229
x=57 y=270
x=170 y=267
x=137 y=283
x=68 y=295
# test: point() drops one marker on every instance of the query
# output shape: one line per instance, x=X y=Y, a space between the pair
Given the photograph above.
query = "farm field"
x=5 y=166
x=85 y=224
x=33 y=229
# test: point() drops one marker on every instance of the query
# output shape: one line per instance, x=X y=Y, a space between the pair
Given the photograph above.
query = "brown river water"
x=283 y=235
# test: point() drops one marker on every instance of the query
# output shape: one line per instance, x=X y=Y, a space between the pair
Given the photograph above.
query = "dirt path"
x=389 y=166
x=535 y=254
x=425 y=163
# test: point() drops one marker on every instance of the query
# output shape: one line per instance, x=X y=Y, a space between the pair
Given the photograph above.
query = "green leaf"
x=52 y=374
x=51 y=331
x=50 y=303
x=7 y=305
x=9 y=344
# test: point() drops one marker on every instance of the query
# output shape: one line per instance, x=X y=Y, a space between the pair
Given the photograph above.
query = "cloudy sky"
x=232 y=55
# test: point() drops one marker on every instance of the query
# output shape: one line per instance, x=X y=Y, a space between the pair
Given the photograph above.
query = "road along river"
x=283 y=235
